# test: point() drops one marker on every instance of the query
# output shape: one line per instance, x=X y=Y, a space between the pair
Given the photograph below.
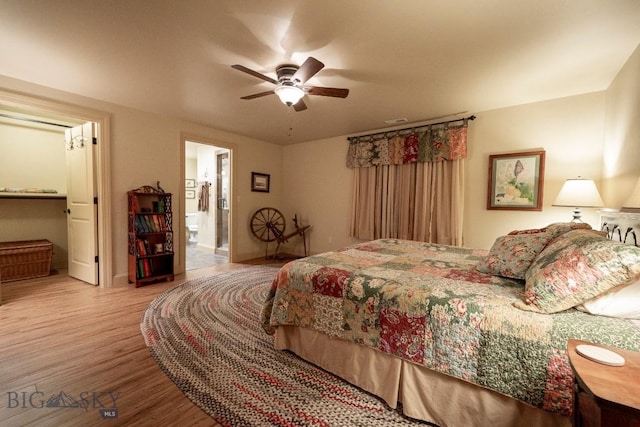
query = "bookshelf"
x=150 y=240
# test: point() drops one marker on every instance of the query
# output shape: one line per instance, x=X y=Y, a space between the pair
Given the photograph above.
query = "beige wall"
x=146 y=148
x=318 y=189
x=311 y=179
x=573 y=131
x=570 y=130
x=33 y=156
x=621 y=167
x=206 y=164
x=191 y=172
x=30 y=219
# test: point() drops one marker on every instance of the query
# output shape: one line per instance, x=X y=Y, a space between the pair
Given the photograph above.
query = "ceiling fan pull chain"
x=290 y=123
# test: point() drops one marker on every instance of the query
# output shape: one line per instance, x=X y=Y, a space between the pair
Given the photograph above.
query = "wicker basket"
x=25 y=260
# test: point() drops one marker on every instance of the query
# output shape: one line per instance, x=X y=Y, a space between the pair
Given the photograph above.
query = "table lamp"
x=579 y=193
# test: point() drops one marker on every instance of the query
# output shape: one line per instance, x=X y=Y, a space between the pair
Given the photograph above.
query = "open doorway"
x=207 y=190
x=48 y=220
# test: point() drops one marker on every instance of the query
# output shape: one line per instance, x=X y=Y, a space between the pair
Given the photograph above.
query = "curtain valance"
x=431 y=144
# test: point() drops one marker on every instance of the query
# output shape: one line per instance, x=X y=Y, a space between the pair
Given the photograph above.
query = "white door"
x=82 y=224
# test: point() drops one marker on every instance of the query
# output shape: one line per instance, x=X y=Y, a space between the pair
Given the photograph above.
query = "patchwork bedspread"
x=427 y=304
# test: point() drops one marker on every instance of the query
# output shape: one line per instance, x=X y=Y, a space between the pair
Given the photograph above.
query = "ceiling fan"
x=290 y=86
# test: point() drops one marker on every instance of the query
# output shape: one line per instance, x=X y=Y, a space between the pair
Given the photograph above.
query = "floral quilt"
x=428 y=304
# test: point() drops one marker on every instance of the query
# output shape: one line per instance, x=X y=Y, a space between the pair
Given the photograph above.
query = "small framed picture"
x=190 y=183
x=260 y=182
x=516 y=181
x=190 y=194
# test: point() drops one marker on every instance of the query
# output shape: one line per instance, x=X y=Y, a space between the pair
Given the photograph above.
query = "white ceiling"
x=413 y=59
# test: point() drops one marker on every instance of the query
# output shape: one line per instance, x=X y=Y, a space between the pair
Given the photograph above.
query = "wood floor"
x=59 y=335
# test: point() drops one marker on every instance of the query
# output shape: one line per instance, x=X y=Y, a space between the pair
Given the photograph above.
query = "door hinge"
x=95 y=141
x=96 y=258
x=95 y=200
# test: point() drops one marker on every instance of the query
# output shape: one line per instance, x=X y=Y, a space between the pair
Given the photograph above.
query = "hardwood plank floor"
x=58 y=335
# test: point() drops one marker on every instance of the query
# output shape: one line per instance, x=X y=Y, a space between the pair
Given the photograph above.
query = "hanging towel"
x=203 y=198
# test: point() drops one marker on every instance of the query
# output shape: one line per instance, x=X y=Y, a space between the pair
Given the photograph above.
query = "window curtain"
x=410 y=187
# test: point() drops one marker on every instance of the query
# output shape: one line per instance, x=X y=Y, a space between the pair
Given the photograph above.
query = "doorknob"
x=67 y=211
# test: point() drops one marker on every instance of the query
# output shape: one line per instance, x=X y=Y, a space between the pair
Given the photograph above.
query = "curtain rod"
x=24 y=119
x=399 y=131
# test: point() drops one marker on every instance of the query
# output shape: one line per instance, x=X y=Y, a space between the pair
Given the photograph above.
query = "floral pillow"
x=512 y=255
x=575 y=267
x=527 y=231
x=558 y=228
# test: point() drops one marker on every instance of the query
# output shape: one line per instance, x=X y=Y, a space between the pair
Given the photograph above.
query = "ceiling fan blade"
x=327 y=91
x=307 y=70
x=258 y=95
x=254 y=73
x=300 y=106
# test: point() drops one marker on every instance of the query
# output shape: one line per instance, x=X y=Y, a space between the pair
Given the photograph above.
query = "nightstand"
x=605 y=395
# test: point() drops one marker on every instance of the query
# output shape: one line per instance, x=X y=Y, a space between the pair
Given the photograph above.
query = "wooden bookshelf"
x=150 y=240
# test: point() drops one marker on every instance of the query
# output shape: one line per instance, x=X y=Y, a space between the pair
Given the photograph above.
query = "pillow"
x=528 y=231
x=575 y=267
x=623 y=302
x=558 y=228
x=511 y=255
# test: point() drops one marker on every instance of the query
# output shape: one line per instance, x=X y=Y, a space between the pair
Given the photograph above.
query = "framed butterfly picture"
x=516 y=181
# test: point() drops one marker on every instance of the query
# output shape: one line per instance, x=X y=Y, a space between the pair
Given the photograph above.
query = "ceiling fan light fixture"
x=289 y=94
x=290 y=86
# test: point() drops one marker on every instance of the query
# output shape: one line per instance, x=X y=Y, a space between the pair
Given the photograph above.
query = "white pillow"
x=622 y=301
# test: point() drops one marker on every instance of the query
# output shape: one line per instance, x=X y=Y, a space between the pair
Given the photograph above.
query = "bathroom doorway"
x=207 y=189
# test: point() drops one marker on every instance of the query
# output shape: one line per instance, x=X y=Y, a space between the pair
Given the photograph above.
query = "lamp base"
x=577 y=215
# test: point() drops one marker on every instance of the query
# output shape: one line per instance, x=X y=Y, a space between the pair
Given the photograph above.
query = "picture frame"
x=190 y=194
x=516 y=181
x=260 y=182
x=190 y=183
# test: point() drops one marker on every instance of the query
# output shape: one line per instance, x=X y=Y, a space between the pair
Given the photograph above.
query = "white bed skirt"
x=425 y=394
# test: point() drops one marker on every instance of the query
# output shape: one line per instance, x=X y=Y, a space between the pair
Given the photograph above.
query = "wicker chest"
x=25 y=259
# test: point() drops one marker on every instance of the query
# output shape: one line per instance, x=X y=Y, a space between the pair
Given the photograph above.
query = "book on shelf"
x=150 y=223
x=141 y=224
x=145 y=268
x=156 y=223
x=143 y=247
x=163 y=223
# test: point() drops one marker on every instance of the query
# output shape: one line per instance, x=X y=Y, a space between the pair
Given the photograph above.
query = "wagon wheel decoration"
x=267 y=224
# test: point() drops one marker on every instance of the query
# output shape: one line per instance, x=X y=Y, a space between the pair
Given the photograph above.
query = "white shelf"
x=12 y=195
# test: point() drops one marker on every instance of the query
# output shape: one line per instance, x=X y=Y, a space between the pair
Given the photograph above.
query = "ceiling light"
x=289 y=94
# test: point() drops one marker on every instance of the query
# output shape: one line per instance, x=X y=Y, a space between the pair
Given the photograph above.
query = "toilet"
x=192 y=227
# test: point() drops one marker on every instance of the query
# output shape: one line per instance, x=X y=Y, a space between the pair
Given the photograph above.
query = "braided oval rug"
x=206 y=336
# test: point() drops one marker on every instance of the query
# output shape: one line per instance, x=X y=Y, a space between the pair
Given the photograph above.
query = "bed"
x=461 y=336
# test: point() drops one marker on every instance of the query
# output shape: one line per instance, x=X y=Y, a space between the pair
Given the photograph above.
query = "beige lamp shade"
x=579 y=193
x=632 y=204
